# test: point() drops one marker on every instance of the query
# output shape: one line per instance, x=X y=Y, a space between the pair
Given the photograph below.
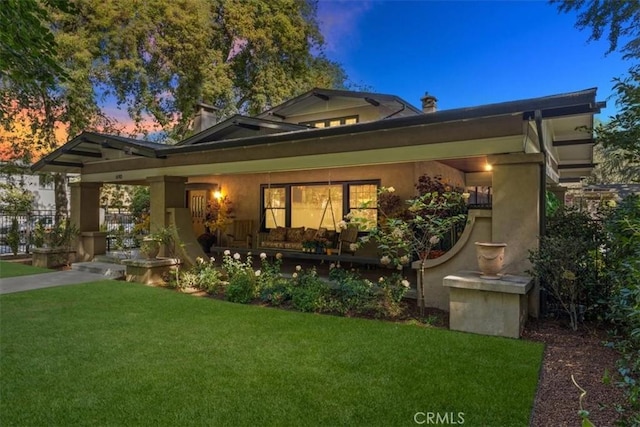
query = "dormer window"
x=327 y=123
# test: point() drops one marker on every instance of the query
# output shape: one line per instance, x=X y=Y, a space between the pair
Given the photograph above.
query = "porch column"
x=516 y=212
x=165 y=192
x=85 y=214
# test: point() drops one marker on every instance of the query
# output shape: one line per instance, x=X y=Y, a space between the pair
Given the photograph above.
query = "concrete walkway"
x=47 y=280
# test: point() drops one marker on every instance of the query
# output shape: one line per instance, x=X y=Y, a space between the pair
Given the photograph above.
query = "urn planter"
x=490 y=259
x=149 y=248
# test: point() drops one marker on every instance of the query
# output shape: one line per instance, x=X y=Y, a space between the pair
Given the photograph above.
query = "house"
x=278 y=166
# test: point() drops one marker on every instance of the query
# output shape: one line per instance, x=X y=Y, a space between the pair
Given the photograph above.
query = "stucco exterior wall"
x=461 y=257
x=244 y=190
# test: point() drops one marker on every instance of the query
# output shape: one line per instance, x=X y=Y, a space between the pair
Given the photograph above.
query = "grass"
x=14 y=269
x=115 y=353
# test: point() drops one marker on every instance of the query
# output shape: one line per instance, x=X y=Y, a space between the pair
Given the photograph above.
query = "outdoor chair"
x=346 y=238
x=241 y=235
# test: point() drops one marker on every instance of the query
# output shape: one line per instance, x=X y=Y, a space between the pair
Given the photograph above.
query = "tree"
x=27 y=45
x=160 y=57
x=614 y=19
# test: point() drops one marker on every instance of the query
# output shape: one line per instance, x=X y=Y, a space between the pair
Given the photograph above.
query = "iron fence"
x=17 y=228
x=119 y=227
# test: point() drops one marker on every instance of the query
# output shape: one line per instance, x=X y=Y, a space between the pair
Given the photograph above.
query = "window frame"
x=288 y=205
x=326 y=122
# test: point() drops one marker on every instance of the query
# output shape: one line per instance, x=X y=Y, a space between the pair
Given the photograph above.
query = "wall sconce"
x=488 y=167
x=218 y=194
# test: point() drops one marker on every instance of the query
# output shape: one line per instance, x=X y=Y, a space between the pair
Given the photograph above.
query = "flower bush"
x=345 y=293
x=427 y=219
x=218 y=214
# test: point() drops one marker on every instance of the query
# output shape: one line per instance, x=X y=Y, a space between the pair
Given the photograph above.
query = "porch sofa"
x=293 y=237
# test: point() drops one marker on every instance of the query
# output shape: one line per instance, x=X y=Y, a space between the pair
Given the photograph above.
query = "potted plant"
x=150 y=246
x=53 y=246
x=206 y=240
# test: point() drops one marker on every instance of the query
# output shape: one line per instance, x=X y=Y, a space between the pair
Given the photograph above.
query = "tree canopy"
x=161 y=57
x=614 y=19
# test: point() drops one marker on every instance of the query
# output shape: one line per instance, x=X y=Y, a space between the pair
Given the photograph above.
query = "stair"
x=106 y=269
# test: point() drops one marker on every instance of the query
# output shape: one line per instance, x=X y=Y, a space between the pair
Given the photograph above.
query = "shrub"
x=13 y=236
x=233 y=264
x=269 y=272
x=241 y=288
x=276 y=292
x=391 y=291
x=568 y=264
x=352 y=294
x=623 y=266
x=309 y=292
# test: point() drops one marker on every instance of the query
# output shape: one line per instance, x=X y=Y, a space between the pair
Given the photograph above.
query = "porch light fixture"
x=217 y=194
x=488 y=167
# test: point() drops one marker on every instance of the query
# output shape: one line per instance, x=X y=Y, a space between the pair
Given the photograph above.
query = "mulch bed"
x=583 y=355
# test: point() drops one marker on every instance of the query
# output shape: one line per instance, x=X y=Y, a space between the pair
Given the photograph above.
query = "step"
x=110 y=270
x=115 y=257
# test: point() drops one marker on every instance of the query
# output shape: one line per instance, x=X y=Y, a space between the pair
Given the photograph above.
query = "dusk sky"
x=467 y=53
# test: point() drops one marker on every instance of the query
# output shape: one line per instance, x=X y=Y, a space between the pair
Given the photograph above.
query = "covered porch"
x=514 y=149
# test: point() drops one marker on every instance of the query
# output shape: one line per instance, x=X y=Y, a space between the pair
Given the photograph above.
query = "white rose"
x=258 y=272
x=298 y=268
x=227 y=252
x=236 y=256
x=294 y=275
x=391 y=190
x=434 y=240
x=385 y=260
x=263 y=256
x=405 y=283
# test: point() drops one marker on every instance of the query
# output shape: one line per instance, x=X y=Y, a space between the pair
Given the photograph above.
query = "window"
x=274 y=207
x=315 y=205
x=479 y=197
x=337 y=121
x=363 y=203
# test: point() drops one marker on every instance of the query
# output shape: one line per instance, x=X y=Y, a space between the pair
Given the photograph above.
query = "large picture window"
x=315 y=205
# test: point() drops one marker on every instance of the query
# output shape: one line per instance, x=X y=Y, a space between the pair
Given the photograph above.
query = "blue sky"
x=466 y=52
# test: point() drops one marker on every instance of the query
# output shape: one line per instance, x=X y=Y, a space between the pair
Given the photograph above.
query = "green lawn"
x=13 y=269
x=115 y=353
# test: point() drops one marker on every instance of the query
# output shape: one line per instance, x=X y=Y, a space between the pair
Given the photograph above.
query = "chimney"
x=429 y=103
x=205 y=117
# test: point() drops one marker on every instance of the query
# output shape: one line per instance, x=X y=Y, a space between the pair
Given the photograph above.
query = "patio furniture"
x=347 y=237
x=241 y=235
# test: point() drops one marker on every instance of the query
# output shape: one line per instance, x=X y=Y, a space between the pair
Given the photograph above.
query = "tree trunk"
x=60 y=187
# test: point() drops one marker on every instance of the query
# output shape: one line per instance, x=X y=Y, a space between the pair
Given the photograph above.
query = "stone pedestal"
x=488 y=307
x=51 y=257
x=92 y=243
x=149 y=271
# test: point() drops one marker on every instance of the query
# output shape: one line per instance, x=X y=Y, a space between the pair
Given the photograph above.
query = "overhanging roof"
x=93 y=147
x=315 y=101
x=551 y=107
x=239 y=126
x=563 y=113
